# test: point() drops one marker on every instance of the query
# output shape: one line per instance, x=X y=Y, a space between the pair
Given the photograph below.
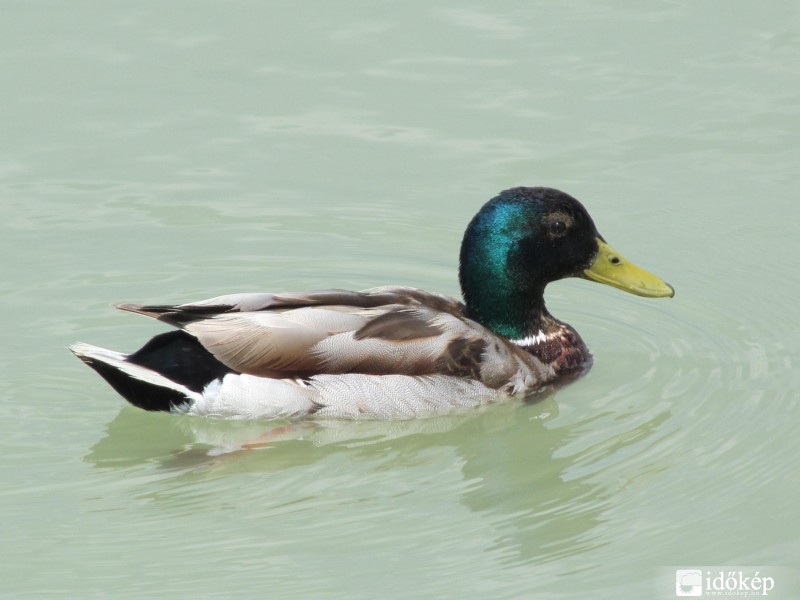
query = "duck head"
x=523 y=239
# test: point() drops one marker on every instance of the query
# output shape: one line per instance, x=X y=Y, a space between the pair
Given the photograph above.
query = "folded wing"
x=391 y=330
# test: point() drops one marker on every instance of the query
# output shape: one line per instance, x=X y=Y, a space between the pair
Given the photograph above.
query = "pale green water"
x=172 y=152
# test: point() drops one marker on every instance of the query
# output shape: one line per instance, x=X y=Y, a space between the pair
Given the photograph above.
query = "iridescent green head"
x=525 y=238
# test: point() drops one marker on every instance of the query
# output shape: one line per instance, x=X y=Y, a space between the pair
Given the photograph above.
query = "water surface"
x=167 y=153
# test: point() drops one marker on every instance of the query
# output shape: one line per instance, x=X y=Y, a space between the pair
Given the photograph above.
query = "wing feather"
x=383 y=331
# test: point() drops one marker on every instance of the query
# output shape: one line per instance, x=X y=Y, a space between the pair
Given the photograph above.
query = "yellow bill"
x=611 y=268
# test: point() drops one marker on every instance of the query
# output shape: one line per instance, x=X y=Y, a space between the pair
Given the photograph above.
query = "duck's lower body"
x=174 y=373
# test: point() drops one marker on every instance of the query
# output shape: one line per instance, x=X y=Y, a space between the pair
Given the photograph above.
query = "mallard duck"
x=387 y=352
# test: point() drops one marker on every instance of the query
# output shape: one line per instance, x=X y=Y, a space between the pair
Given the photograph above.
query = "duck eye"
x=558 y=228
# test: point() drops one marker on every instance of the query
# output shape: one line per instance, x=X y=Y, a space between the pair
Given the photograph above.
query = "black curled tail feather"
x=179 y=357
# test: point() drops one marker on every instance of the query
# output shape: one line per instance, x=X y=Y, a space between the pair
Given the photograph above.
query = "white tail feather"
x=117 y=360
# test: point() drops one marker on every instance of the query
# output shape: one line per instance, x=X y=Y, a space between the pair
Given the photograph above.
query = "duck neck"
x=526 y=322
x=512 y=315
